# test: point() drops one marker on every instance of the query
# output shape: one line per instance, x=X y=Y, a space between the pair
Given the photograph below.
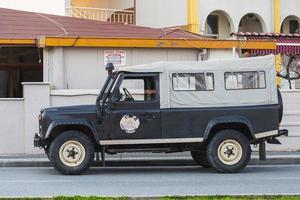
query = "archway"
x=251 y=23
x=290 y=24
x=219 y=24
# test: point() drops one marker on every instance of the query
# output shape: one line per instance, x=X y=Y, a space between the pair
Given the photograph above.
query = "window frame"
x=122 y=76
x=213 y=83
x=261 y=88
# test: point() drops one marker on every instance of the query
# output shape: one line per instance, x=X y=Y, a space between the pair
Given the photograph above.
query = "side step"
x=151 y=150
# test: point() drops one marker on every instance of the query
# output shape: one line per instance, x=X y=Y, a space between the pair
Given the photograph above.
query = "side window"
x=193 y=81
x=245 y=80
x=139 y=88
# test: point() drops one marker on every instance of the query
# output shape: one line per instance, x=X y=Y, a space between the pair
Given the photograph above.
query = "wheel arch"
x=85 y=127
x=238 y=123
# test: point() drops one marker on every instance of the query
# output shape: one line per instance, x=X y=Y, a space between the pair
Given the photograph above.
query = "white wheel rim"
x=72 y=153
x=230 y=152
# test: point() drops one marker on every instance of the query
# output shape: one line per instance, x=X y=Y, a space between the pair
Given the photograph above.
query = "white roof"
x=252 y=63
x=219 y=97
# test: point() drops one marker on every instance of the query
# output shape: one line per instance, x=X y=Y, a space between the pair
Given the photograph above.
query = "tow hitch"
x=274 y=140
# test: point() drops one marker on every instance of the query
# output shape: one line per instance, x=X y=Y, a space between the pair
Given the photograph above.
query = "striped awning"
x=287 y=44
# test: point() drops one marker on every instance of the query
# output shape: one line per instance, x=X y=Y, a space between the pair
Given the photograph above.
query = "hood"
x=70 y=108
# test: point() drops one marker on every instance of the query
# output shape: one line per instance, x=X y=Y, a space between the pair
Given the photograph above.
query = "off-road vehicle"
x=214 y=109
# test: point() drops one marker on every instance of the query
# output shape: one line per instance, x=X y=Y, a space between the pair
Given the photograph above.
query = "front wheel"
x=229 y=151
x=71 y=153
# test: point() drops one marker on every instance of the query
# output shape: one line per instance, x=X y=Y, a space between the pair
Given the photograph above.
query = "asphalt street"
x=150 y=181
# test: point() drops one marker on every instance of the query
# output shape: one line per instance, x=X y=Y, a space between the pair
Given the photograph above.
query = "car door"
x=139 y=118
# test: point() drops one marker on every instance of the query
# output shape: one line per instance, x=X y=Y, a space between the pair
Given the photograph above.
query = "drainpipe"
x=193 y=15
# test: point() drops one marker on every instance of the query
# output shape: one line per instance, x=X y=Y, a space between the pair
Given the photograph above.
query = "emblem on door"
x=129 y=123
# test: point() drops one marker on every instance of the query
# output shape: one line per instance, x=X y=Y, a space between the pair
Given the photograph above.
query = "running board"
x=151 y=150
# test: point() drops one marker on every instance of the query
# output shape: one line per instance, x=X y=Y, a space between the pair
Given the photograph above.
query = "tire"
x=200 y=158
x=280 y=102
x=229 y=151
x=71 y=153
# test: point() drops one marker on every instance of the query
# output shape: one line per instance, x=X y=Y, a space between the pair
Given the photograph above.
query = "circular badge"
x=129 y=123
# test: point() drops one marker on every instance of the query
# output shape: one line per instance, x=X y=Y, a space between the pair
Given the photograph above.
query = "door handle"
x=150 y=117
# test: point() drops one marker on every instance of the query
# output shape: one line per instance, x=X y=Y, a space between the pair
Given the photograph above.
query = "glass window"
x=193 y=81
x=245 y=80
x=17 y=65
x=137 y=89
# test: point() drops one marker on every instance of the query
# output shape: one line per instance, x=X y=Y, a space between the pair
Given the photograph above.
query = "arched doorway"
x=219 y=24
x=251 y=23
x=290 y=24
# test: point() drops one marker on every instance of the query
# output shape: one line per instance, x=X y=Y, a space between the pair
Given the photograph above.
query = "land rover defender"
x=214 y=109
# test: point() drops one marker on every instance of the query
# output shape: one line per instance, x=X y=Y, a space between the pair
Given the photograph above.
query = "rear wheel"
x=229 y=151
x=200 y=157
x=71 y=153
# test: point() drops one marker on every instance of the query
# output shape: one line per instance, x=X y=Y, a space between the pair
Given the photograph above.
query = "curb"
x=141 y=162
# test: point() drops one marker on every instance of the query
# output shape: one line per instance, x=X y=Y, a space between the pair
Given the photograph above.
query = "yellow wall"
x=277 y=30
x=193 y=15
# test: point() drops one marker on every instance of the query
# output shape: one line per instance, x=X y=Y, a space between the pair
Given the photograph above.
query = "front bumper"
x=38 y=141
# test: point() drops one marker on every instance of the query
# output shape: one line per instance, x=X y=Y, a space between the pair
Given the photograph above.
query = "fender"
x=225 y=120
x=77 y=122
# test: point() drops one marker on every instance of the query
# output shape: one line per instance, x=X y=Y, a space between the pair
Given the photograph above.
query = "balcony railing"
x=102 y=14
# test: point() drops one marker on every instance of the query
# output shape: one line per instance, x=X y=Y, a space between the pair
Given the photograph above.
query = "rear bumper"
x=273 y=140
x=38 y=141
x=282 y=132
x=271 y=134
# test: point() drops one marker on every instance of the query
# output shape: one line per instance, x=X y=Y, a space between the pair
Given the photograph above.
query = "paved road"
x=150 y=181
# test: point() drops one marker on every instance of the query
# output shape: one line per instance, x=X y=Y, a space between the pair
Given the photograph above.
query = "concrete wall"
x=289 y=8
x=161 y=13
x=63 y=66
x=236 y=10
x=56 y=7
x=36 y=96
x=12 y=126
x=290 y=121
x=173 y=12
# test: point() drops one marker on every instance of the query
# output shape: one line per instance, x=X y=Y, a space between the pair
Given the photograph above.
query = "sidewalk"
x=148 y=159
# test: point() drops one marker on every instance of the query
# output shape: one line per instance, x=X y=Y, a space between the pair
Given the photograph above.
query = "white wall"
x=220 y=53
x=236 y=9
x=161 y=13
x=290 y=121
x=12 y=126
x=289 y=7
x=56 y=7
x=83 y=68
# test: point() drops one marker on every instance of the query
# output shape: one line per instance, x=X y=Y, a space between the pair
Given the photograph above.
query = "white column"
x=56 y=68
x=36 y=96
